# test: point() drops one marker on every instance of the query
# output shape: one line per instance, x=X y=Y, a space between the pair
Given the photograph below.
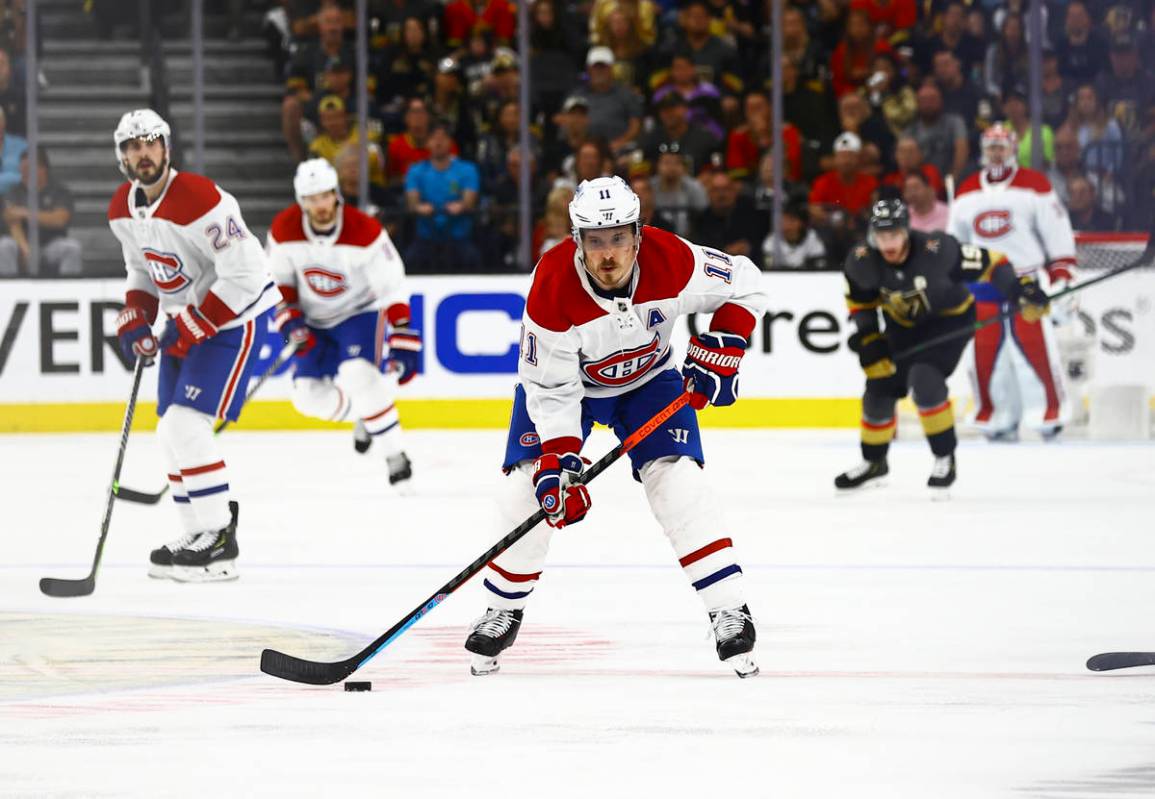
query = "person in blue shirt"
x=442 y=192
x=12 y=147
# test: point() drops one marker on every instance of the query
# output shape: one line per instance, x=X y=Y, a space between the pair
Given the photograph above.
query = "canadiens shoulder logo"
x=993 y=224
x=323 y=282
x=167 y=270
x=624 y=366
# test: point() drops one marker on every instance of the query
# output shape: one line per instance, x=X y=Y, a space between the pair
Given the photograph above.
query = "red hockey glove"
x=290 y=323
x=135 y=334
x=184 y=331
x=711 y=368
x=561 y=495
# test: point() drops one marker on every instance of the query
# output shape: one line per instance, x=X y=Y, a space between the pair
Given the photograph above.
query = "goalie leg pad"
x=684 y=506
x=189 y=436
x=1041 y=384
x=511 y=577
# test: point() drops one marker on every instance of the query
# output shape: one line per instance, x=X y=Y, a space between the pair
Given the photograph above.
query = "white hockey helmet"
x=143 y=123
x=315 y=176
x=603 y=203
x=999 y=135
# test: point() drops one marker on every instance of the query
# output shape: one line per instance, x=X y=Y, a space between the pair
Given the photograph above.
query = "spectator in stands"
x=651 y=215
x=1007 y=61
x=387 y=20
x=60 y=255
x=703 y=99
x=845 y=188
x=12 y=99
x=309 y=75
x=502 y=84
x=1141 y=208
x=12 y=147
x=1081 y=49
x=890 y=94
x=348 y=165
x=851 y=61
x=1018 y=119
x=337 y=132
x=1057 y=91
x=309 y=17
x=763 y=193
x=621 y=33
x=801 y=246
x=477 y=62
x=555 y=53
x=1084 y=210
x=717 y=61
x=927 y=212
x=493 y=151
x=695 y=144
x=500 y=237
x=593 y=159
x=443 y=192
x=462 y=17
x=676 y=194
x=941 y=136
x=615 y=110
x=1100 y=137
x=908 y=158
x=893 y=20
x=1126 y=88
x=806 y=54
x=729 y=223
x=555 y=225
x=411 y=146
x=643 y=15
x=1068 y=163
x=409 y=68
x=959 y=96
x=808 y=110
x=953 y=37
x=573 y=130
x=856 y=116
x=747 y=143
x=450 y=104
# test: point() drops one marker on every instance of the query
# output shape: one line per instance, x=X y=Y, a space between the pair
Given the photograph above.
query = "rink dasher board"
x=59 y=369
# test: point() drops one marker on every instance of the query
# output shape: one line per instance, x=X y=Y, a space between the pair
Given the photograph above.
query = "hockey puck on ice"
x=353 y=685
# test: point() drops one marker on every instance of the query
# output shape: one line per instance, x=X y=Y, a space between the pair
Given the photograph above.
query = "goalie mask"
x=1000 y=147
x=146 y=124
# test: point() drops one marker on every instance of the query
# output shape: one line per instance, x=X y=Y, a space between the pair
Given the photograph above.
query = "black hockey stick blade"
x=54 y=586
x=140 y=497
x=1109 y=661
x=311 y=672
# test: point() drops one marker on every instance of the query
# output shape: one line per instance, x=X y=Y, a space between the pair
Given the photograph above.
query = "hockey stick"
x=1109 y=661
x=1142 y=260
x=53 y=586
x=151 y=498
x=313 y=672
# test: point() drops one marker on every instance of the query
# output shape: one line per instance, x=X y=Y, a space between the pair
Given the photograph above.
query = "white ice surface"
x=908 y=648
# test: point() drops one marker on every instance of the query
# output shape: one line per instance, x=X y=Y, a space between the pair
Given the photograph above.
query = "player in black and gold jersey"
x=919 y=282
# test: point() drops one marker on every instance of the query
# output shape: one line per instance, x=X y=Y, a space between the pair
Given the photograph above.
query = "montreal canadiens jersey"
x=1020 y=217
x=577 y=344
x=331 y=278
x=191 y=247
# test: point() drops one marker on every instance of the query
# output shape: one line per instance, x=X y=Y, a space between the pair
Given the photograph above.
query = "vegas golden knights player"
x=919 y=283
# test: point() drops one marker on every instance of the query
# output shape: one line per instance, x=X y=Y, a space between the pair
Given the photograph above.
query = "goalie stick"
x=1143 y=260
x=1109 y=661
x=153 y=497
x=53 y=586
x=288 y=667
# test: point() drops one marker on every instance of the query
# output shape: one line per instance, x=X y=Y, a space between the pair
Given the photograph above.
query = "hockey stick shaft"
x=1109 y=661
x=951 y=335
x=58 y=587
x=153 y=497
x=287 y=667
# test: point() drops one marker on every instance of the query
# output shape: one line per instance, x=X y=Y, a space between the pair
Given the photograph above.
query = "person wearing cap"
x=1126 y=88
x=697 y=145
x=307 y=75
x=676 y=194
x=502 y=84
x=1018 y=119
x=615 y=110
x=338 y=132
x=449 y=103
x=443 y=191
x=845 y=186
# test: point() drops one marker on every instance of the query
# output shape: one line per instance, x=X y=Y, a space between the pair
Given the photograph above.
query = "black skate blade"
x=52 y=586
x=1109 y=661
x=310 y=672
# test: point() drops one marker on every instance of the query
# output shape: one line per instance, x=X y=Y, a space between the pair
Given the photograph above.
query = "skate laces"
x=860 y=470
x=941 y=467
x=204 y=541
x=182 y=542
x=494 y=624
x=729 y=622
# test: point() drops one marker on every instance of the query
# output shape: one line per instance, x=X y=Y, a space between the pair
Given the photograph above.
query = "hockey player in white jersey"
x=1014 y=366
x=342 y=284
x=596 y=347
x=189 y=254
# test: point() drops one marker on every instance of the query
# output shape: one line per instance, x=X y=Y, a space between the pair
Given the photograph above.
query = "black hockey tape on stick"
x=153 y=497
x=53 y=586
x=1142 y=260
x=288 y=667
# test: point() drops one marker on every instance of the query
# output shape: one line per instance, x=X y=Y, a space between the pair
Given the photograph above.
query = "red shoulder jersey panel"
x=357 y=229
x=189 y=197
x=118 y=206
x=288 y=225
x=970 y=184
x=1031 y=179
x=557 y=299
x=665 y=266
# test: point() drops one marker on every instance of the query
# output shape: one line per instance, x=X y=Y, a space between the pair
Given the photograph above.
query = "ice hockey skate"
x=361 y=438
x=491 y=635
x=160 y=559
x=734 y=636
x=866 y=473
x=400 y=469
x=211 y=556
x=942 y=477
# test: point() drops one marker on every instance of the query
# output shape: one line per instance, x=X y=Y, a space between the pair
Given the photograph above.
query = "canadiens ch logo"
x=167 y=270
x=529 y=439
x=324 y=282
x=992 y=224
x=623 y=367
